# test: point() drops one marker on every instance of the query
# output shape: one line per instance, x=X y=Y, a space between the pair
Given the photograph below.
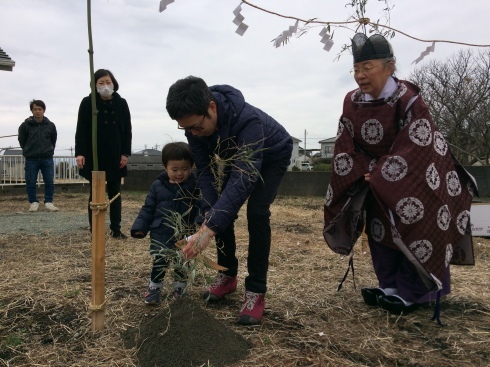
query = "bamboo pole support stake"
x=98 y=251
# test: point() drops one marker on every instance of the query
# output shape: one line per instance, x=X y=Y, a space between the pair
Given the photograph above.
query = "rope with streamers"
x=103 y=206
x=363 y=21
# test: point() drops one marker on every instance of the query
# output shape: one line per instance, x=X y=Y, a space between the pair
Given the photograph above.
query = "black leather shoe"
x=370 y=295
x=118 y=235
x=395 y=305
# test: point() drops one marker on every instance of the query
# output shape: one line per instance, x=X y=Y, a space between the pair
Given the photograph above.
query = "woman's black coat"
x=113 y=136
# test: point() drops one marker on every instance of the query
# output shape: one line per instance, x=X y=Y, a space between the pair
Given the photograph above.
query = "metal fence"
x=12 y=171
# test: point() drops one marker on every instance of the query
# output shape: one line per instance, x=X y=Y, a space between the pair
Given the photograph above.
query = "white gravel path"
x=42 y=222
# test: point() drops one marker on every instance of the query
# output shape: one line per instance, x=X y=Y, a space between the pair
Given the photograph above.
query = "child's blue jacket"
x=165 y=203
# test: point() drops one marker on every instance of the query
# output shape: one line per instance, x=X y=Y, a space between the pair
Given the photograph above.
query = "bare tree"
x=457 y=92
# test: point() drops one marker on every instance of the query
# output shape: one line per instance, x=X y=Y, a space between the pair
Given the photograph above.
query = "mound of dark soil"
x=184 y=334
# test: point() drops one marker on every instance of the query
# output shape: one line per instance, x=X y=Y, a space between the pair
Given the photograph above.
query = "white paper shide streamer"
x=242 y=27
x=163 y=4
x=427 y=51
x=326 y=39
x=281 y=40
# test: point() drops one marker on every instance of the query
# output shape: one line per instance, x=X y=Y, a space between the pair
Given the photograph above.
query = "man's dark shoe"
x=396 y=305
x=370 y=295
x=118 y=235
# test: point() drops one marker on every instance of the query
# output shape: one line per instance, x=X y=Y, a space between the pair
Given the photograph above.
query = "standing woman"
x=113 y=142
x=394 y=171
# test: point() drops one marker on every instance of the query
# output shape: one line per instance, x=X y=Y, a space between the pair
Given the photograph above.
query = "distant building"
x=6 y=63
x=326 y=147
x=295 y=155
x=12 y=151
x=299 y=154
x=145 y=162
x=151 y=159
x=148 y=152
x=147 y=159
x=11 y=167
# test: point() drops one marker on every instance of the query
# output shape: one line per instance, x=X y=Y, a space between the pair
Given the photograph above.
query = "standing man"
x=37 y=138
x=241 y=154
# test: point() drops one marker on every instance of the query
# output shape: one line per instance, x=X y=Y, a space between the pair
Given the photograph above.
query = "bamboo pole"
x=92 y=88
x=98 y=196
x=98 y=251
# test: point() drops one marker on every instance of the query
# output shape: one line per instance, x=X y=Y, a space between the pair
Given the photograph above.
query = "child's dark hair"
x=38 y=103
x=188 y=96
x=177 y=151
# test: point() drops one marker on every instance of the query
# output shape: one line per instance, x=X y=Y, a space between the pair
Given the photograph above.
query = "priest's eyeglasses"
x=366 y=69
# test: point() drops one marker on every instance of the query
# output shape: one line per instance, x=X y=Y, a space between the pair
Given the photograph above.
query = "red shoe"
x=252 y=309
x=223 y=285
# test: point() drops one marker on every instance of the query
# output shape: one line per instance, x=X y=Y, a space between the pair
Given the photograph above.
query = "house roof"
x=295 y=140
x=6 y=63
x=144 y=159
x=12 y=151
x=329 y=140
x=149 y=152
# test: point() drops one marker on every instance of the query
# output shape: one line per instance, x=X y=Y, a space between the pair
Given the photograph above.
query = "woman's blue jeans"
x=32 y=167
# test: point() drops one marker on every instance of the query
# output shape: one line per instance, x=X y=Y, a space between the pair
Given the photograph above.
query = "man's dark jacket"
x=37 y=139
x=242 y=130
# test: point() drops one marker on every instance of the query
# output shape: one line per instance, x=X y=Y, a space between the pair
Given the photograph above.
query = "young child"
x=173 y=196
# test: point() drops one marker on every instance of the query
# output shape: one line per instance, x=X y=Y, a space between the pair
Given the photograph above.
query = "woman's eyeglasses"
x=195 y=127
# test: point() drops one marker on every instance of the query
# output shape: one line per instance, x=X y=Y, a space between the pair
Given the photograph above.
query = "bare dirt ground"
x=45 y=288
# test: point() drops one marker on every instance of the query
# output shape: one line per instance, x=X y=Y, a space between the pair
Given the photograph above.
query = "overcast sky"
x=300 y=85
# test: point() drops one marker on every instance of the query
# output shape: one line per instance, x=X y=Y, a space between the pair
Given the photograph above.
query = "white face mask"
x=106 y=90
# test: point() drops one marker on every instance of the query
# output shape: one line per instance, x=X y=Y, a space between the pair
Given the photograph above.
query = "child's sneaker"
x=179 y=290
x=152 y=296
x=34 y=206
x=252 y=309
x=223 y=285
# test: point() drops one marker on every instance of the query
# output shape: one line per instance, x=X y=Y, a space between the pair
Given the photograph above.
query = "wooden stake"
x=98 y=251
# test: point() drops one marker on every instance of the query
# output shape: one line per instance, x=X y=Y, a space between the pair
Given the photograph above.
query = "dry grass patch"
x=45 y=289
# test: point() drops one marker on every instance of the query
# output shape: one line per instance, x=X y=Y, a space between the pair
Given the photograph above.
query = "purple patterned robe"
x=419 y=196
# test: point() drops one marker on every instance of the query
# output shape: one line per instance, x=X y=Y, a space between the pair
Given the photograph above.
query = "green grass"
x=72 y=293
x=13 y=341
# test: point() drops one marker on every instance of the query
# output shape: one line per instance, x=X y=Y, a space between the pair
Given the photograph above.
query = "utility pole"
x=304 y=159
